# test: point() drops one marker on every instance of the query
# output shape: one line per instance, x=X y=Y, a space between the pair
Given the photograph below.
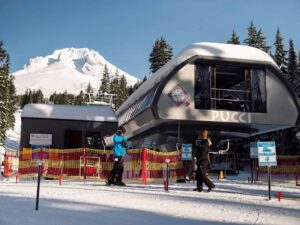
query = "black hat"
x=121 y=129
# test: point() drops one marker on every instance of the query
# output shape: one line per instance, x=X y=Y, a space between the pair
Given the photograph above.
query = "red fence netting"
x=288 y=168
x=140 y=165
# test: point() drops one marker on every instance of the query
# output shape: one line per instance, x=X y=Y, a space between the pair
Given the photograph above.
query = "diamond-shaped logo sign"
x=179 y=96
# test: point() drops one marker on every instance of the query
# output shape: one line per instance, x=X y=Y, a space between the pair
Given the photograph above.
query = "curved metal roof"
x=206 y=50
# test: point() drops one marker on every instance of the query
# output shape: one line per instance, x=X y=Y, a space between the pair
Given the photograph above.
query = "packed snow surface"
x=68 y=69
x=234 y=201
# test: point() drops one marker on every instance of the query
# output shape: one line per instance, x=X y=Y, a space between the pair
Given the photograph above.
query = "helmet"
x=121 y=129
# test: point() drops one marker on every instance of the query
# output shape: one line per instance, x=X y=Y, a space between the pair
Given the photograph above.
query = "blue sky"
x=124 y=31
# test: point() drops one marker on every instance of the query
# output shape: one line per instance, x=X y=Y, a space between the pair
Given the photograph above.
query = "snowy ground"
x=234 y=201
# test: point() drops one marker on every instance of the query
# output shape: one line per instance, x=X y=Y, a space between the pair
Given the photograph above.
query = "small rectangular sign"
x=186 y=152
x=267 y=153
x=253 y=150
x=40 y=139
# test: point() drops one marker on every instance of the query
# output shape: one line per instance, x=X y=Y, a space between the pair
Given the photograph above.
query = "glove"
x=125 y=144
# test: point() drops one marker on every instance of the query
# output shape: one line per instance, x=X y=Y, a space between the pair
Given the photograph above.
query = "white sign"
x=186 y=152
x=253 y=150
x=236 y=117
x=267 y=153
x=40 y=139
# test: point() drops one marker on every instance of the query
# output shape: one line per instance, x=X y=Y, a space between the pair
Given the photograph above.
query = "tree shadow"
x=20 y=210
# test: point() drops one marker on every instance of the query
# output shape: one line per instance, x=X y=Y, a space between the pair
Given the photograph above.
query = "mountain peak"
x=82 y=59
x=69 y=67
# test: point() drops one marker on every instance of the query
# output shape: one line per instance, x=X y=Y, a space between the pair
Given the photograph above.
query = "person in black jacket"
x=202 y=149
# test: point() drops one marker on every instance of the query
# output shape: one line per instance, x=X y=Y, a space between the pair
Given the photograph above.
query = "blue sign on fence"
x=186 y=152
x=267 y=153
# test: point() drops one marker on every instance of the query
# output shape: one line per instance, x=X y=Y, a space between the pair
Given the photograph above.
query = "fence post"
x=168 y=174
x=144 y=159
x=41 y=159
x=84 y=162
x=60 y=179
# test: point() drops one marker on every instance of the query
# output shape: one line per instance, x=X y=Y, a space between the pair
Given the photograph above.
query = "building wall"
x=58 y=127
x=281 y=109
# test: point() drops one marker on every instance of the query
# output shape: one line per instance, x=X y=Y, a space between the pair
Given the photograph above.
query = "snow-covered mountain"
x=68 y=69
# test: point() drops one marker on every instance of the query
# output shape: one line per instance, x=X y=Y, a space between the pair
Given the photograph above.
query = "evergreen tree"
x=261 y=41
x=7 y=94
x=79 y=100
x=122 y=91
x=251 y=40
x=53 y=97
x=104 y=86
x=12 y=103
x=39 y=97
x=32 y=97
x=89 y=93
x=63 y=98
x=256 y=38
x=280 y=53
x=234 y=39
x=114 y=84
x=144 y=79
x=292 y=66
x=24 y=99
x=133 y=88
x=161 y=53
x=297 y=86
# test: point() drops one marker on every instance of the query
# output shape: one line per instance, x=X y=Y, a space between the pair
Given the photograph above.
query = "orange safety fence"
x=10 y=163
x=288 y=168
x=139 y=164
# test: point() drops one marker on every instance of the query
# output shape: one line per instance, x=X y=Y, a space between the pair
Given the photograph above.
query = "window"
x=258 y=90
x=94 y=140
x=202 y=87
x=228 y=87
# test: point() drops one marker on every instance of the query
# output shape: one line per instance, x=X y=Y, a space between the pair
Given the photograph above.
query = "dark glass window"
x=258 y=90
x=229 y=87
x=202 y=86
x=94 y=140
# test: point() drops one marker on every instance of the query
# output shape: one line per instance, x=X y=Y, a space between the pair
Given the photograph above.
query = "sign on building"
x=40 y=139
x=253 y=150
x=186 y=152
x=267 y=153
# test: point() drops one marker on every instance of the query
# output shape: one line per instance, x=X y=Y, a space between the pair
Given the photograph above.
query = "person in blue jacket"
x=120 y=148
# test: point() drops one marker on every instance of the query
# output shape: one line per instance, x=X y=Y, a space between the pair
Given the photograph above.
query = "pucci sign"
x=235 y=117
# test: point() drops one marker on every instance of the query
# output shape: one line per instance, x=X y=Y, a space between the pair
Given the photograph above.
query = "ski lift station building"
x=230 y=90
x=70 y=126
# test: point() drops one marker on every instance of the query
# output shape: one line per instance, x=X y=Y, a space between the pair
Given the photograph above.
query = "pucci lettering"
x=235 y=117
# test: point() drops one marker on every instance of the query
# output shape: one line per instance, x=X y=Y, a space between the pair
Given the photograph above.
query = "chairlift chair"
x=223 y=160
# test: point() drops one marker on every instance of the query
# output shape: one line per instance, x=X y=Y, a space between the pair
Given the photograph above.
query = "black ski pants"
x=201 y=175
x=117 y=170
